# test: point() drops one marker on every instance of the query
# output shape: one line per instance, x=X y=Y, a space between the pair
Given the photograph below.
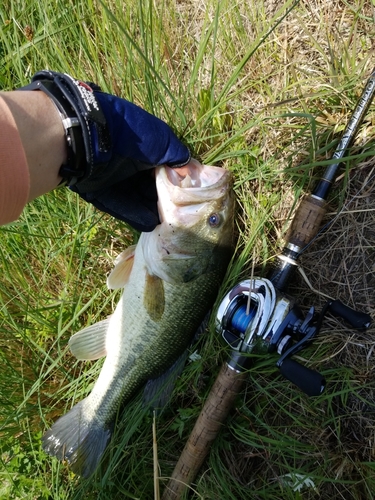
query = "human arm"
x=42 y=136
x=114 y=149
x=32 y=146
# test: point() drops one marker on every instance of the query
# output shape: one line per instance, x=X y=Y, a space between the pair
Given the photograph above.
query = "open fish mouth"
x=195 y=175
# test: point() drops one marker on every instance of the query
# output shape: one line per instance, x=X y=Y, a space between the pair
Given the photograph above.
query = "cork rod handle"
x=214 y=413
x=306 y=221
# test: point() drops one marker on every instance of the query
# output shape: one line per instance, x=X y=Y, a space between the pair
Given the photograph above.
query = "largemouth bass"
x=170 y=281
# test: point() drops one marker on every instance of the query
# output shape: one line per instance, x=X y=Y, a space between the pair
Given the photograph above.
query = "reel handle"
x=215 y=410
x=356 y=319
x=309 y=381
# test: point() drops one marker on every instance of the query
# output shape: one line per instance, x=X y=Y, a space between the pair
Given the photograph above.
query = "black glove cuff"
x=80 y=111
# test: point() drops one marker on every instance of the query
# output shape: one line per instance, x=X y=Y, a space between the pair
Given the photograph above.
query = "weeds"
x=263 y=89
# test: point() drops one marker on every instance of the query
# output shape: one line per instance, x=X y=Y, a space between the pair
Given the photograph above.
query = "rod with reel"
x=257 y=316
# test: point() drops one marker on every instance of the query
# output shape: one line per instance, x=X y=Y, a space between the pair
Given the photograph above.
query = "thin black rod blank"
x=323 y=186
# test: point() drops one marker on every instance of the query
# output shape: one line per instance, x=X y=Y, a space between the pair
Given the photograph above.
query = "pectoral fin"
x=90 y=343
x=123 y=265
x=154 y=299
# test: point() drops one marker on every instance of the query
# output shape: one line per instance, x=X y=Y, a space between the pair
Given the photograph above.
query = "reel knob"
x=309 y=381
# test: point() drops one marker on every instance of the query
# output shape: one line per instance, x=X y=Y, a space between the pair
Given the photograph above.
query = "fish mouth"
x=194 y=175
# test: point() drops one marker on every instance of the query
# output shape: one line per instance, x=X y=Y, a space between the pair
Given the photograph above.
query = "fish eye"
x=214 y=220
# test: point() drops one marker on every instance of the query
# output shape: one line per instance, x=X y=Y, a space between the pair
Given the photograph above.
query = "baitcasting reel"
x=255 y=316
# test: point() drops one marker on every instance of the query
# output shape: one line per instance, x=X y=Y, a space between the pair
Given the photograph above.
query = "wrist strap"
x=73 y=169
x=81 y=118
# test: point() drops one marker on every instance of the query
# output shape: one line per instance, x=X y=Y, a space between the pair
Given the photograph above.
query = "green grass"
x=263 y=89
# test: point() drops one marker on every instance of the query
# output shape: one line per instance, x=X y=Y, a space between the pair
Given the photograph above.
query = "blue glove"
x=113 y=145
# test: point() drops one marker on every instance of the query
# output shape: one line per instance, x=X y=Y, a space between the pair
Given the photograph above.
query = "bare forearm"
x=42 y=137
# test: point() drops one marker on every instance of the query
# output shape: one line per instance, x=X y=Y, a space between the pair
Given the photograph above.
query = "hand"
x=115 y=144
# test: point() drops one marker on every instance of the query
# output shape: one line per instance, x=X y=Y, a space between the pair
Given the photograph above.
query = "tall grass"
x=262 y=88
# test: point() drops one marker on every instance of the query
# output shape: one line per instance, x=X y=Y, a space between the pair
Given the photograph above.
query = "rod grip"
x=215 y=410
x=306 y=221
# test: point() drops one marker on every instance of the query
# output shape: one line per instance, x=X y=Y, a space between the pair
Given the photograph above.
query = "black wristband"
x=73 y=169
x=80 y=111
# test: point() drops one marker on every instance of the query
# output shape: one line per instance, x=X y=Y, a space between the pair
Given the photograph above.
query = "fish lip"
x=197 y=174
x=176 y=256
x=174 y=176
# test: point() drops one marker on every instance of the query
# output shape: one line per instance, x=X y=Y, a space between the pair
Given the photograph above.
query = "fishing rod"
x=257 y=316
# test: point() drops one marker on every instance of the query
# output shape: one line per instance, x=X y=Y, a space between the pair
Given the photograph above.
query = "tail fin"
x=78 y=440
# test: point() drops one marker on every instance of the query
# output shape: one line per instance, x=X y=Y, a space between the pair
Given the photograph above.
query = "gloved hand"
x=113 y=146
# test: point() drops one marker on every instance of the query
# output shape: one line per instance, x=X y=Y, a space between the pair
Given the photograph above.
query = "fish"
x=170 y=279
